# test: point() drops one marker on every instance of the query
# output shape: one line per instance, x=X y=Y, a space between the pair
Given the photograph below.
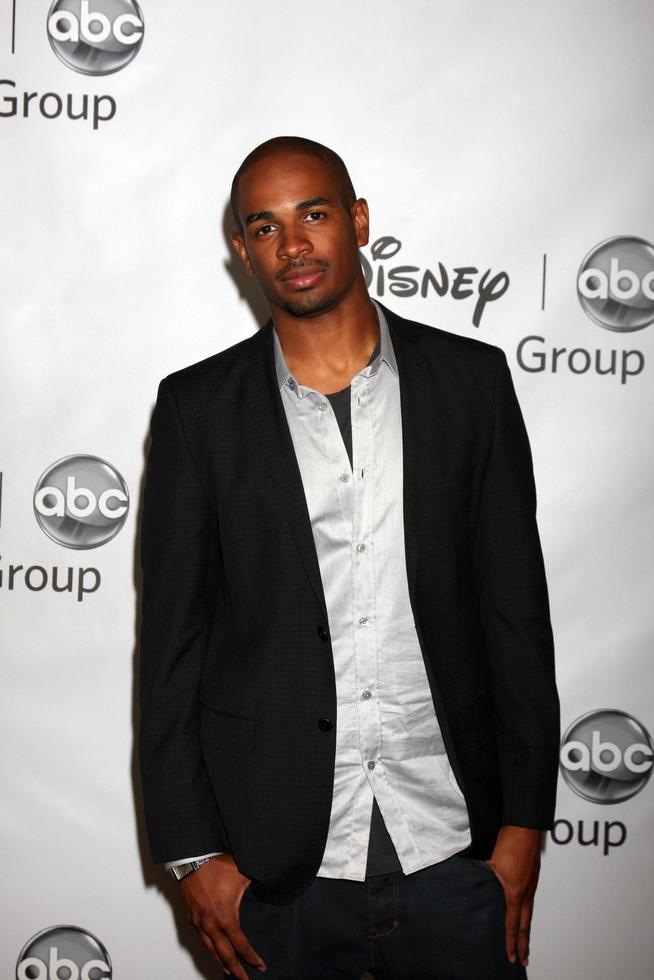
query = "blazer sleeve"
x=511 y=583
x=179 y=539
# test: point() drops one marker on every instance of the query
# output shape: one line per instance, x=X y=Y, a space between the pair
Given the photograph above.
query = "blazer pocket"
x=445 y=483
x=227 y=731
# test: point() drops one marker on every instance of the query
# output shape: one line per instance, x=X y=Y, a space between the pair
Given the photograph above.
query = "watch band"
x=182 y=870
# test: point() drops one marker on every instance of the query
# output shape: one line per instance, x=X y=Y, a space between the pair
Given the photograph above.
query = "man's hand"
x=516 y=862
x=213 y=896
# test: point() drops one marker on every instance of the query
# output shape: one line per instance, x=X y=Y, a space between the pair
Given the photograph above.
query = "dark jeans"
x=443 y=923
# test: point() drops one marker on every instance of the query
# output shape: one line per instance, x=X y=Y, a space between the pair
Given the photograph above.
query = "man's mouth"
x=303 y=276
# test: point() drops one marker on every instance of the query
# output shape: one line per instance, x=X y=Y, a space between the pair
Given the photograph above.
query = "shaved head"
x=294 y=145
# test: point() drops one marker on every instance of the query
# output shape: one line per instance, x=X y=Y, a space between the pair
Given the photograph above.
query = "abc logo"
x=64 y=953
x=95 y=37
x=81 y=502
x=606 y=756
x=616 y=284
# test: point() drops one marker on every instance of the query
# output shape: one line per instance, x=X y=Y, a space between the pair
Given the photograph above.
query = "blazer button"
x=322 y=633
x=324 y=725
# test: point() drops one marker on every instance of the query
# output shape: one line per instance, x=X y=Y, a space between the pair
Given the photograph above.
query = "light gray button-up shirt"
x=388 y=741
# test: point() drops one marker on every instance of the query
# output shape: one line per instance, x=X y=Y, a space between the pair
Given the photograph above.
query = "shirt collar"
x=386 y=352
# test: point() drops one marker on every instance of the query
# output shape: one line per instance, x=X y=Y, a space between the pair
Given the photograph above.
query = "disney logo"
x=407 y=280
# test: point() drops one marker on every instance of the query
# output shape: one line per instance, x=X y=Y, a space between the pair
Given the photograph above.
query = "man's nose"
x=293 y=244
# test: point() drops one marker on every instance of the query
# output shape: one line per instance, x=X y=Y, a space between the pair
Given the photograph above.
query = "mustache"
x=295 y=266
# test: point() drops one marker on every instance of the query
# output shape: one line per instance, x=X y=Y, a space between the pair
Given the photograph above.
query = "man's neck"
x=325 y=352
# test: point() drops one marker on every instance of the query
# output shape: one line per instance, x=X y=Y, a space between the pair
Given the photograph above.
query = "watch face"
x=182 y=870
x=179 y=871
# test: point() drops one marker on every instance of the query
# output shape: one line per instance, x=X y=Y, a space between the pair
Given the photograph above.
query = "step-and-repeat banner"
x=506 y=153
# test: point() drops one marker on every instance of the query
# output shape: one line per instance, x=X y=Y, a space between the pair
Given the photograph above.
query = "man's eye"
x=264 y=230
x=315 y=215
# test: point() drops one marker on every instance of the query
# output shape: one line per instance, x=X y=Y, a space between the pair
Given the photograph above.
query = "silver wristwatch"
x=180 y=871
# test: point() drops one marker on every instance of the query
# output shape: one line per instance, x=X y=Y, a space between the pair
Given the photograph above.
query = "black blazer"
x=236 y=661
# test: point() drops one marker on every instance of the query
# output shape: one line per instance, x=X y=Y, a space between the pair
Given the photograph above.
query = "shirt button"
x=324 y=724
x=344 y=477
x=363 y=621
x=291 y=384
x=322 y=633
x=371 y=765
x=323 y=406
x=361 y=548
x=366 y=695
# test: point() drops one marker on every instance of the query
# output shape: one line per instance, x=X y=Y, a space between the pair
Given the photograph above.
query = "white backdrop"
x=505 y=137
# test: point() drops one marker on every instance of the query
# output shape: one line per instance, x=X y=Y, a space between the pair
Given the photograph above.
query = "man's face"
x=300 y=240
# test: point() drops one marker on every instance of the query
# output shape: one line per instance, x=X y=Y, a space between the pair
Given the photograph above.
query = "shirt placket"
x=331 y=451
x=368 y=707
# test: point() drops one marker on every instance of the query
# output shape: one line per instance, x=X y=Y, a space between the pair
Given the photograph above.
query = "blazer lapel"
x=271 y=428
x=412 y=382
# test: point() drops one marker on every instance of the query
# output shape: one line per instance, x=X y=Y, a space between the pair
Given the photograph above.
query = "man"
x=349 y=718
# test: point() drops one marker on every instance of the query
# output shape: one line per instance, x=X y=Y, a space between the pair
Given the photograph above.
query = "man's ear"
x=361 y=220
x=239 y=244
